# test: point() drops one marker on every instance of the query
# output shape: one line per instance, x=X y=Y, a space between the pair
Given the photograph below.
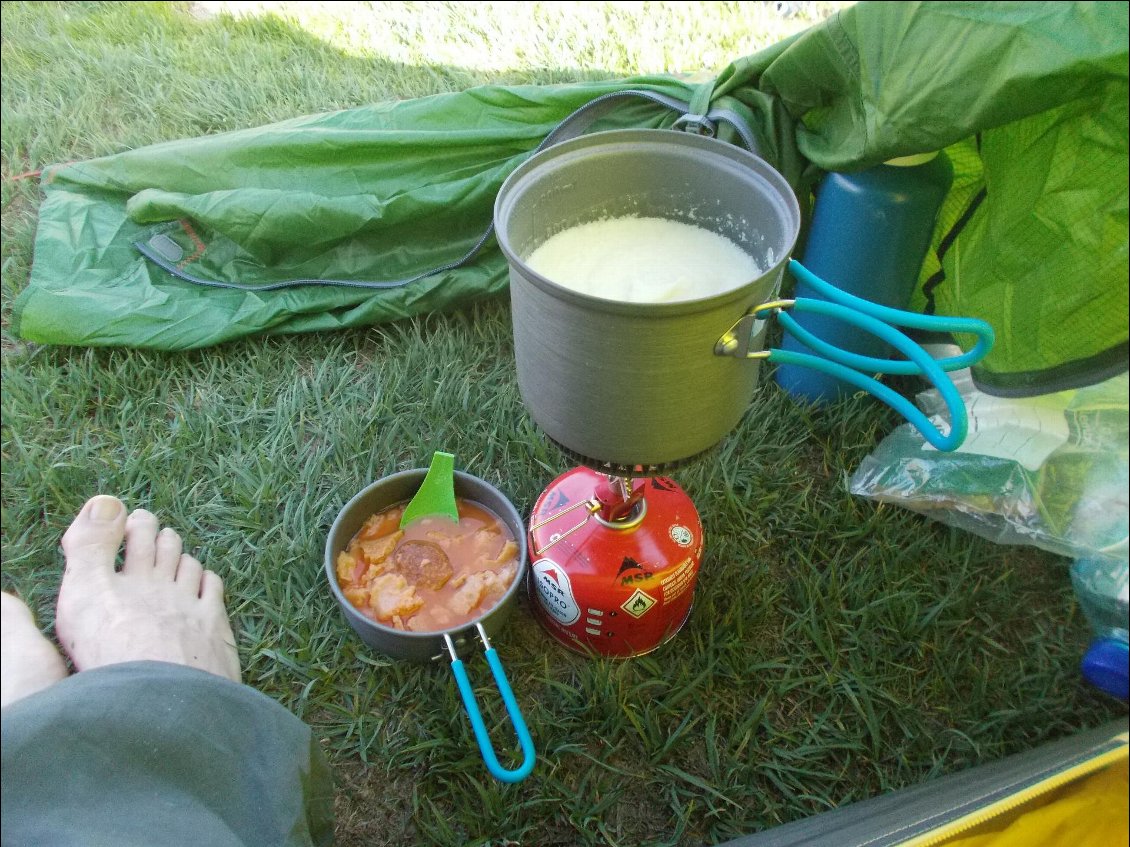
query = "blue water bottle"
x=1101 y=586
x=870 y=233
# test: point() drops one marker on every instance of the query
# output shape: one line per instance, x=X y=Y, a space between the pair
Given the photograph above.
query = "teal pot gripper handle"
x=896 y=317
x=467 y=693
x=854 y=368
x=881 y=322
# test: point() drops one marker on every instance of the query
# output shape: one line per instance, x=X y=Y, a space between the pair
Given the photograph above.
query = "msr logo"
x=555 y=591
x=632 y=571
x=556 y=501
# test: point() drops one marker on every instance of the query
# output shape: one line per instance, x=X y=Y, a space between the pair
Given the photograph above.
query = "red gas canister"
x=614 y=561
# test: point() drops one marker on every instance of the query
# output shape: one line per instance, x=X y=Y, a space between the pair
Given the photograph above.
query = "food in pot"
x=433 y=575
x=643 y=260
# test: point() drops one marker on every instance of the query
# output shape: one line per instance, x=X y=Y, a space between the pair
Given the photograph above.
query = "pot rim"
x=575 y=147
x=504 y=601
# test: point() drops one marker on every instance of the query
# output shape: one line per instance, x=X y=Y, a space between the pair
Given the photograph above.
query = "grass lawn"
x=836 y=649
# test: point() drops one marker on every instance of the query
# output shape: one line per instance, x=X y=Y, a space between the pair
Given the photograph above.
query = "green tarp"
x=1029 y=100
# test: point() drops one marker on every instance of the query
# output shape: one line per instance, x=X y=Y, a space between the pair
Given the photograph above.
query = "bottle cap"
x=911 y=161
x=1105 y=667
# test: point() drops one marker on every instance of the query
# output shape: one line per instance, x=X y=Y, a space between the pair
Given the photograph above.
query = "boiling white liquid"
x=643 y=260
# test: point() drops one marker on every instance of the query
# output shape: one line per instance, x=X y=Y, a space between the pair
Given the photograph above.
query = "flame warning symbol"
x=638 y=604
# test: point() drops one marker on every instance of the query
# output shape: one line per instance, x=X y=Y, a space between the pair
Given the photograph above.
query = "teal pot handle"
x=467 y=693
x=895 y=317
x=854 y=368
x=958 y=426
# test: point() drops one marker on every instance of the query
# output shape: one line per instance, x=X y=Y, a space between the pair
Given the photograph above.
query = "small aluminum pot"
x=453 y=642
x=421 y=646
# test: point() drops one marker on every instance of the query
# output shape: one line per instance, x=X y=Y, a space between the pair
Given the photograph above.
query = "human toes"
x=226 y=659
x=28 y=661
x=150 y=550
x=169 y=550
x=190 y=574
x=91 y=542
x=212 y=589
x=142 y=529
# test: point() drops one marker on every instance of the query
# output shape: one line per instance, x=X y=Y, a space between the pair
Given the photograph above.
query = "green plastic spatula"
x=437 y=493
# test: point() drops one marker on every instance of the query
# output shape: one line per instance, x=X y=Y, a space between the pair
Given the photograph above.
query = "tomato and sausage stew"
x=433 y=575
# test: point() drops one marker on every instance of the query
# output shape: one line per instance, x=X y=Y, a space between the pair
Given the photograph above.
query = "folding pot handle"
x=896 y=317
x=852 y=367
x=959 y=424
x=467 y=693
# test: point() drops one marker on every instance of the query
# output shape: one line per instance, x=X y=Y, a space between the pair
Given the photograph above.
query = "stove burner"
x=625 y=470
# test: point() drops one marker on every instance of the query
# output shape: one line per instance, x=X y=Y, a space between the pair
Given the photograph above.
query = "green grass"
x=836 y=649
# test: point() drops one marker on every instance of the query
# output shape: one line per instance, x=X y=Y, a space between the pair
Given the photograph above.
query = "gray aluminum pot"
x=421 y=646
x=639 y=383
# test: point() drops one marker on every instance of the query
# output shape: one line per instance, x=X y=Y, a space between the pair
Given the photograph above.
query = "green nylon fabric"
x=1029 y=100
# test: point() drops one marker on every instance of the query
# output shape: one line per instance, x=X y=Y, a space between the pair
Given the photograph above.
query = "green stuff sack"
x=376 y=194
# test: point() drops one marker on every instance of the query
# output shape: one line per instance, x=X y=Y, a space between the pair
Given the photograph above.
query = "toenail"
x=105 y=508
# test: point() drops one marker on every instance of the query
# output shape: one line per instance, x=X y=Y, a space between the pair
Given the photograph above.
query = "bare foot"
x=30 y=662
x=161 y=606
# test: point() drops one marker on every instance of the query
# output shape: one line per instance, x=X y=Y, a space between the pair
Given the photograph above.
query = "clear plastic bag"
x=1050 y=471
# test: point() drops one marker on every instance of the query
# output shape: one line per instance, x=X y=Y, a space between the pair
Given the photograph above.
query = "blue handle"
x=876 y=319
x=897 y=317
x=892 y=398
x=480 y=730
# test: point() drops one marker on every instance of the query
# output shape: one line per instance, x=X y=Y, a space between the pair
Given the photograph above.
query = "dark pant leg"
x=149 y=753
